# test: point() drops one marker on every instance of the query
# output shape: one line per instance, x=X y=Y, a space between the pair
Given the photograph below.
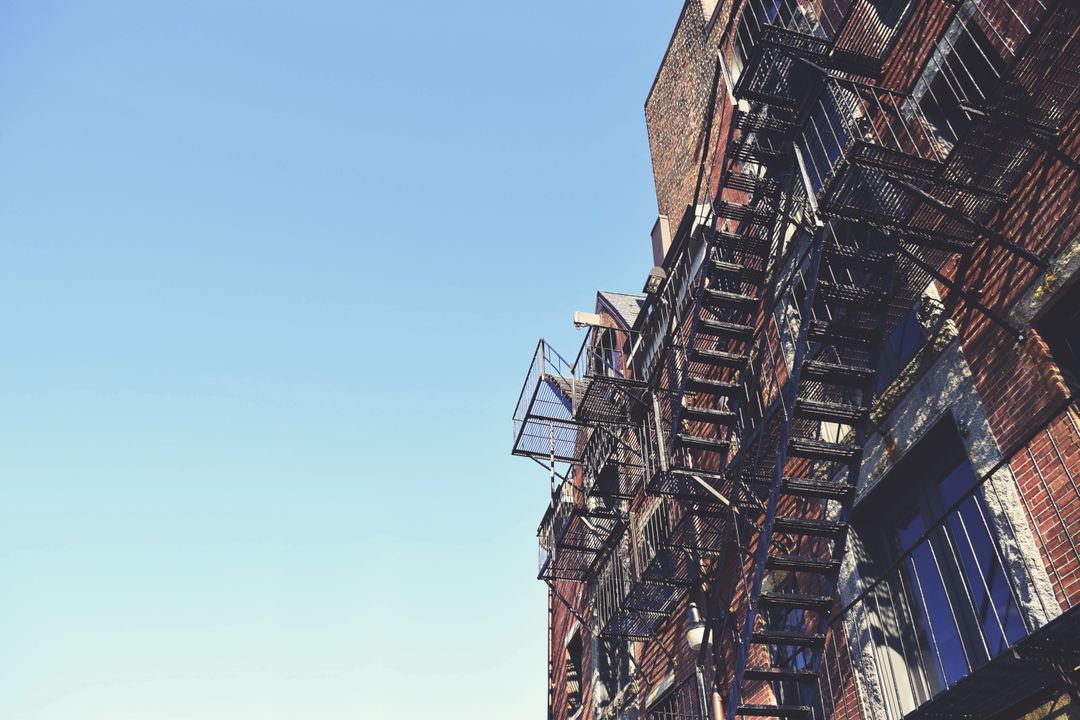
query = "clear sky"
x=270 y=277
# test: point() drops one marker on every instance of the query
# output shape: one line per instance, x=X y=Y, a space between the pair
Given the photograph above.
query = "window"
x=679 y=703
x=826 y=135
x=945 y=605
x=791 y=657
x=613 y=669
x=899 y=348
x=1060 y=328
x=573 y=673
x=964 y=70
x=605 y=353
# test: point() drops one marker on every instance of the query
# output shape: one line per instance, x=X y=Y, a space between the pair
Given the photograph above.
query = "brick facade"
x=1019 y=408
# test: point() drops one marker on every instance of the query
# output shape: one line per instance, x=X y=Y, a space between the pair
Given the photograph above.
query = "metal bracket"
x=963 y=219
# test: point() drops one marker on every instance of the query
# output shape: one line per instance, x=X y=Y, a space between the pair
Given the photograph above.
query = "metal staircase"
x=714 y=357
x=807 y=486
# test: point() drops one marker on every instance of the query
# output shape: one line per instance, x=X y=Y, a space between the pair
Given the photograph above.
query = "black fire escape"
x=900 y=194
x=732 y=419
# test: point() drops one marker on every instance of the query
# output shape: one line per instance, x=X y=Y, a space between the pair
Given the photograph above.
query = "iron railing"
x=573 y=534
x=684 y=701
x=544 y=424
x=610 y=391
x=662 y=314
x=614 y=462
x=647 y=571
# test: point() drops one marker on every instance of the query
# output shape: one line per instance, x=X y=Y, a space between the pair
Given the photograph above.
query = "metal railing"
x=682 y=702
x=614 y=462
x=608 y=391
x=605 y=352
x=544 y=425
x=572 y=535
x=662 y=314
x=855 y=122
x=849 y=35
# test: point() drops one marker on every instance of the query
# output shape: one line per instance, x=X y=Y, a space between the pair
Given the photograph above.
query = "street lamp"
x=695 y=627
x=655 y=281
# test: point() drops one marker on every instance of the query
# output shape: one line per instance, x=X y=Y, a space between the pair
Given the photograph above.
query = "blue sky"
x=271 y=273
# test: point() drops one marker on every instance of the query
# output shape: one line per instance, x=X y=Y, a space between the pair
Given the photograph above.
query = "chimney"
x=661 y=239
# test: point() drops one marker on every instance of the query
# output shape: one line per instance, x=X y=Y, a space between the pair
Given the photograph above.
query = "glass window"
x=945 y=605
x=612 y=667
x=899 y=348
x=965 y=71
x=1060 y=327
x=573 y=672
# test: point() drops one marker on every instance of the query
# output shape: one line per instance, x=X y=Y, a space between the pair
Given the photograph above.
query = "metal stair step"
x=802 y=563
x=718 y=358
x=822 y=450
x=855 y=258
x=779 y=675
x=774 y=711
x=702 y=443
x=836 y=374
x=745 y=213
x=737 y=272
x=936 y=241
x=844 y=334
x=719 y=416
x=763 y=122
x=720 y=328
x=737 y=242
x=808 y=487
x=809 y=526
x=795 y=42
x=752 y=152
x=862 y=298
x=705 y=474
x=723 y=298
x=820 y=603
x=771 y=99
x=751 y=183
x=829 y=411
x=700 y=383
x=797 y=638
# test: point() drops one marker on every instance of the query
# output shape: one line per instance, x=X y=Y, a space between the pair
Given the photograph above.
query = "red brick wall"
x=1046 y=471
x=675 y=112
x=562 y=624
x=1019 y=384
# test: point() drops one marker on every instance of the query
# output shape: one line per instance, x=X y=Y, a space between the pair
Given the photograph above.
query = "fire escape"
x=900 y=194
x=732 y=419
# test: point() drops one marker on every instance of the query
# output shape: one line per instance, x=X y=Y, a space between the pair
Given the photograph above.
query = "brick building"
x=827 y=464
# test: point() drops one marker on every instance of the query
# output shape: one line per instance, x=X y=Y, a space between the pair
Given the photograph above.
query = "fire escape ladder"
x=715 y=356
x=841 y=322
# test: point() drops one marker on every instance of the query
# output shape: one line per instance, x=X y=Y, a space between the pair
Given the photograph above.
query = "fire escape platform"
x=1012 y=675
x=573 y=538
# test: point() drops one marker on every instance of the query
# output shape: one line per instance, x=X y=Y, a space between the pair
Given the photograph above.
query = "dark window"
x=1060 y=328
x=605 y=353
x=679 y=703
x=966 y=74
x=899 y=348
x=944 y=606
x=573 y=672
x=613 y=668
x=824 y=138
